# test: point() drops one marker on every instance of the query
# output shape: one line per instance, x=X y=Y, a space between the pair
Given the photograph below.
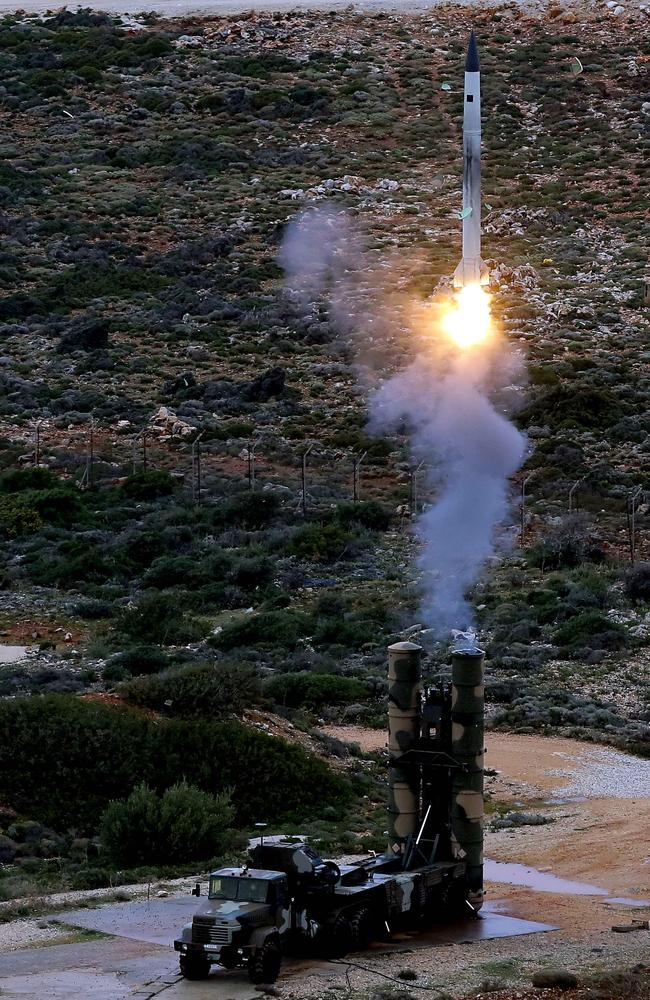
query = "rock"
x=197 y=353
x=165 y=421
x=270 y=990
x=559 y=979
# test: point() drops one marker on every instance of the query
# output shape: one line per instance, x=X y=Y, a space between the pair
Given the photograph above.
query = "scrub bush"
x=18 y=517
x=157 y=619
x=183 y=824
x=322 y=542
x=86 y=754
x=591 y=629
x=213 y=690
x=314 y=690
x=271 y=628
x=637 y=582
x=148 y=485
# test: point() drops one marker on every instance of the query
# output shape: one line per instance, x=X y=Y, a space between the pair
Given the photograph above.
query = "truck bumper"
x=189 y=948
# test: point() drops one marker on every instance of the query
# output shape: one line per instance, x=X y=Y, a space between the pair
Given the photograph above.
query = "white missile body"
x=471 y=270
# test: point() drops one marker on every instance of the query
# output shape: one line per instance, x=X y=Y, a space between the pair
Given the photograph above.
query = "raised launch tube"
x=404 y=720
x=468 y=749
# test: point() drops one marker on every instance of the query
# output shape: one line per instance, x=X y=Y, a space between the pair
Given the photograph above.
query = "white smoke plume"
x=472 y=450
x=448 y=401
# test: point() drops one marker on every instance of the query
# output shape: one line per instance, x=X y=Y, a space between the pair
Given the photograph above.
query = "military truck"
x=288 y=900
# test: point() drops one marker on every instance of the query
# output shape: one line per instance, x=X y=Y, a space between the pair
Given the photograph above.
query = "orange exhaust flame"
x=467 y=320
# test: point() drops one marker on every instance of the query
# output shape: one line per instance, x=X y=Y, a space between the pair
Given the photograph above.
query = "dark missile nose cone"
x=472 y=63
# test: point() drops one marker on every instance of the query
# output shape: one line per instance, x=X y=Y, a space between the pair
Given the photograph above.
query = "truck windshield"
x=248 y=890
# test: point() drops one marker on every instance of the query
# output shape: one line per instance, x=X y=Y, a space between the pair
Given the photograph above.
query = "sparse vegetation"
x=158 y=549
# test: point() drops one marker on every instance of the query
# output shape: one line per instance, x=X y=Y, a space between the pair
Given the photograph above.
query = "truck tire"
x=264 y=963
x=454 y=904
x=194 y=967
x=338 y=937
x=360 y=929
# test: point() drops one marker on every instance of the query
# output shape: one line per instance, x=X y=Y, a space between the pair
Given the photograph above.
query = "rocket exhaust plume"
x=471 y=449
x=449 y=398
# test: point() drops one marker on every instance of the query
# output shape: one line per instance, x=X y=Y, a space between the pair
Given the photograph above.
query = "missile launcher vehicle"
x=288 y=900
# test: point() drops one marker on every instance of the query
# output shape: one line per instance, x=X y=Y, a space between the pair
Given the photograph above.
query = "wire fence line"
x=353 y=473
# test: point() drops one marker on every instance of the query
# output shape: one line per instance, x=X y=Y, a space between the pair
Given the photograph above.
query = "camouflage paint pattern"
x=404 y=713
x=468 y=748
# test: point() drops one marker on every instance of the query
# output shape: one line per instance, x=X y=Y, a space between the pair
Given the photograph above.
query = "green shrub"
x=590 y=629
x=322 y=542
x=353 y=631
x=314 y=690
x=271 y=628
x=76 y=562
x=34 y=478
x=580 y=406
x=367 y=513
x=18 y=517
x=93 y=610
x=148 y=485
x=140 y=660
x=174 y=571
x=251 y=510
x=251 y=572
x=637 y=582
x=182 y=824
x=156 y=619
x=61 y=506
x=76 y=287
x=92 y=878
x=214 y=690
x=86 y=754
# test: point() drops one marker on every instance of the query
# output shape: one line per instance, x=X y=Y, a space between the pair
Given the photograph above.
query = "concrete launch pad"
x=159 y=921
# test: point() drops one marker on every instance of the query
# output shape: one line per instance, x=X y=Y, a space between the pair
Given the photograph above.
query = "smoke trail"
x=474 y=449
x=447 y=400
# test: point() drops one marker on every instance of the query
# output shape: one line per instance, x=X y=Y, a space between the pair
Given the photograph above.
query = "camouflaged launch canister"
x=468 y=749
x=404 y=712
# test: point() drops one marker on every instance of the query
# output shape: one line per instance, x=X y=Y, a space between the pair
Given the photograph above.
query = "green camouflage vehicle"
x=289 y=901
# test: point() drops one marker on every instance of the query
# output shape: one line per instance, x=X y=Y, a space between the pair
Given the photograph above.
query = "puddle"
x=12 y=654
x=158 y=921
x=565 y=802
x=514 y=874
x=493 y=924
x=627 y=901
x=531 y=878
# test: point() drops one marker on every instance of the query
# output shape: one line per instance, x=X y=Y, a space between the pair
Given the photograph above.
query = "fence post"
x=356 y=466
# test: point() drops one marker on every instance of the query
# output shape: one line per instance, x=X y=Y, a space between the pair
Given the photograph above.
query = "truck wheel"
x=454 y=905
x=360 y=929
x=338 y=937
x=194 y=968
x=264 y=964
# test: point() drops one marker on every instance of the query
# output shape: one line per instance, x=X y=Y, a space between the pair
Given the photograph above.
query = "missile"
x=471 y=270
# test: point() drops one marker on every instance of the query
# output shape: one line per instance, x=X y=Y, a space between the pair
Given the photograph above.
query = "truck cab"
x=240 y=923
